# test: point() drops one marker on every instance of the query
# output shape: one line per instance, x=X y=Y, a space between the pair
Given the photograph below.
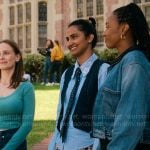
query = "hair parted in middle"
x=87 y=27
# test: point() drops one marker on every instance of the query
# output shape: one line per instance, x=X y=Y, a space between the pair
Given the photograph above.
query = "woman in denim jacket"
x=122 y=107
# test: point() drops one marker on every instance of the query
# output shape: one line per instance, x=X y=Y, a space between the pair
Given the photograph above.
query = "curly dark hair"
x=134 y=17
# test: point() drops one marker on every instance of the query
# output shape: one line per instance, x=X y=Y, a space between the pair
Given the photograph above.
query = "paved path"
x=43 y=145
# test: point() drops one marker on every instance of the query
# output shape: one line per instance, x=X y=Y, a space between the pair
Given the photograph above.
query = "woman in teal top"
x=17 y=99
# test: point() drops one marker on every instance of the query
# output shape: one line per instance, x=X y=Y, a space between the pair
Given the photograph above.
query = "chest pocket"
x=110 y=100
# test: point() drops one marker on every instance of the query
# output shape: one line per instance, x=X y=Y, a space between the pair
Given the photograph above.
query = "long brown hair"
x=17 y=76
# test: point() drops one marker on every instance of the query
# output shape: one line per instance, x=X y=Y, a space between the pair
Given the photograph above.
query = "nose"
x=1 y=56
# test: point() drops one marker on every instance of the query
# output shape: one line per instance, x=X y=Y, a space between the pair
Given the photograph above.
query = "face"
x=8 y=58
x=48 y=42
x=112 y=32
x=76 y=41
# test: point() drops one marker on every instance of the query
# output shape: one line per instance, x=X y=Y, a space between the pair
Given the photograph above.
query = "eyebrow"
x=72 y=35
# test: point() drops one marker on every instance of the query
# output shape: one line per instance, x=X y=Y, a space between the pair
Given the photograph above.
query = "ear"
x=17 y=57
x=125 y=29
x=91 y=37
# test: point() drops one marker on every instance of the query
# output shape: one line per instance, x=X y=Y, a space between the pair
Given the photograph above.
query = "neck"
x=6 y=77
x=81 y=59
x=124 y=47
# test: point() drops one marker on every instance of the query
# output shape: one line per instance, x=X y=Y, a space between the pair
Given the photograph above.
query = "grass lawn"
x=45 y=113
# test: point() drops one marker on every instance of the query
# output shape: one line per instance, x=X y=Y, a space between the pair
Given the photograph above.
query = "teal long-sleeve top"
x=17 y=111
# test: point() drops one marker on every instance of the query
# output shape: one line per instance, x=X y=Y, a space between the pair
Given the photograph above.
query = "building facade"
x=31 y=22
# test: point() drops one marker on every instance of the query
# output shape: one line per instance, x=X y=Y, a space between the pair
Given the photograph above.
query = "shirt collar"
x=85 y=67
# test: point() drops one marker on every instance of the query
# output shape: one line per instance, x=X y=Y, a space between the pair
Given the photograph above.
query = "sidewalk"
x=43 y=145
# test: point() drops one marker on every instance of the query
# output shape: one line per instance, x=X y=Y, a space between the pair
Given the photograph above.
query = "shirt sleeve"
x=102 y=74
x=132 y=108
x=52 y=143
x=27 y=119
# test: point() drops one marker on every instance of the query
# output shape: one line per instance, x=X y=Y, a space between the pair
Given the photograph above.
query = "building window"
x=89 y=7
x=42 y=23
x=11 y=1
x=137 y=1
x=20 y=23
x=28 y=36
x=93 y=8
x=42 y=11
x=11 y=33
x=99 y=29
x=79 y=8
x=12 y=15
x=28 y=12
x=42 y=35
x=145 y=6
x=99 y=7
x=20 y=14
x=20 y=37
x=147 y=14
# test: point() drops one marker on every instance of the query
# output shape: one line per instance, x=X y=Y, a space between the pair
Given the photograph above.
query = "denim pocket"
x=110 y=100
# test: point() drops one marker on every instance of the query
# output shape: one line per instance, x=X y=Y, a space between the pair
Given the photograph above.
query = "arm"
x=101 y=78
x=27 y=119
x=102 y=74
x=131 y=110
x=51 y=145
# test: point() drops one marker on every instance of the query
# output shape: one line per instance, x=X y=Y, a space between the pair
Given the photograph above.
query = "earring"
x=123 y=37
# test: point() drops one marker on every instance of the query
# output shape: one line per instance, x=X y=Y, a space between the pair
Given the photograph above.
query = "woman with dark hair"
x=47 y=63
x=16 y=99
x=57 y=56
x=79 y=86
x=122 y=106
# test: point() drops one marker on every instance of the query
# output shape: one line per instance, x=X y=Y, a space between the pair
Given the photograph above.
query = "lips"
x=3 y=62
x=73 y=48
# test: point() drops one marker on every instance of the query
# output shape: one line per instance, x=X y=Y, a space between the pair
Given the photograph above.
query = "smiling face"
x=8 y=58
x=77 y=42
x=112 y=32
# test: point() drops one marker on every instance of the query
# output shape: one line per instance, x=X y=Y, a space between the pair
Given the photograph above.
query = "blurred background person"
x=57 y=56
x=47 y=63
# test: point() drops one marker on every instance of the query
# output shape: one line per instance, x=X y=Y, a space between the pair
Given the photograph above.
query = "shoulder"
x=104 y=66
x=135 y=57
x=26 y=85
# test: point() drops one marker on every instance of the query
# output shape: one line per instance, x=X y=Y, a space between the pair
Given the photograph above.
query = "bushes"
x=34 y=63
x=108 y=55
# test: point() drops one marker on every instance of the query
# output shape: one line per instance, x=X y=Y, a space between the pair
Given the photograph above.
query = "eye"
x=67 y=38
x=74 y=36
x=6 y=52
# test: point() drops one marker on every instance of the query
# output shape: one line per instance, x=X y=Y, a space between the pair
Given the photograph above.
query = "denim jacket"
x=123 y=103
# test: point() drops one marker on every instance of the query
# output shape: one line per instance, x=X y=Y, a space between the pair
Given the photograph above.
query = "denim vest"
x=122 y=105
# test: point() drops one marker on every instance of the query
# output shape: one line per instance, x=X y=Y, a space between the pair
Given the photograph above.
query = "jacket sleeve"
x=53 y=54
x=131 y=111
